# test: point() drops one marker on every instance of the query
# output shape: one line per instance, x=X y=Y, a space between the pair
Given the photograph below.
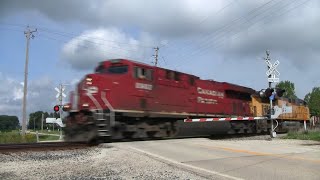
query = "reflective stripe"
x=224 y=119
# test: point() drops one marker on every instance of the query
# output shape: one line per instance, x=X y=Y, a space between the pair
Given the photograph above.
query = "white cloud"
x=93 y=46
x=41 y=95
x=199 y=36
x=17 y=93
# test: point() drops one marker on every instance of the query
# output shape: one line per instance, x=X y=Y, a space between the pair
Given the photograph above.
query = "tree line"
x=312 y=98
x=8 y=123
x=35 y=119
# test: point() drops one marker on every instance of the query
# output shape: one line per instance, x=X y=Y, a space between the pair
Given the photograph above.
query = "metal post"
x=42 y=122
x=60 y=109
x=28 y=34
x=60 y=138
x=37 y=135
x=156 y=56
x=60 y=96
x=270 y=86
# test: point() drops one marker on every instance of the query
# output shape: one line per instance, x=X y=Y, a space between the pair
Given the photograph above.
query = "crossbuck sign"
x=60 y=93
x=273 y=71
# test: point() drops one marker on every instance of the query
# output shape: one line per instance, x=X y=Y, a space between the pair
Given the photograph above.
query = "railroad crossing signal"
x=273 y=72
x=60 y=92
x=56 y=108
x=273 y=67
x=60 y=97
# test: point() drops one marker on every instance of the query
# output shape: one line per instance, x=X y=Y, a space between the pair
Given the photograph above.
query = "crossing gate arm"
x=225 y=119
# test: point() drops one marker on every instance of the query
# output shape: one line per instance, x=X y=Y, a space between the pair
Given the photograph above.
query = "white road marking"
x=185 y=165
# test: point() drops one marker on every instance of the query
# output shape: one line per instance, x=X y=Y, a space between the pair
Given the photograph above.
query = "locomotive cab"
x=119 y=81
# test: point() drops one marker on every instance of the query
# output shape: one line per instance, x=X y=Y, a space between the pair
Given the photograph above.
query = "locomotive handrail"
x=96 y=103
x=107 y=103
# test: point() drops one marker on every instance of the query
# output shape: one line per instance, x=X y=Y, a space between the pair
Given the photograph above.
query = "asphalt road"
x=236 y=159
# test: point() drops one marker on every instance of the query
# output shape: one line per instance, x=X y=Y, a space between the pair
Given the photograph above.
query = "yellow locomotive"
x=260 y=106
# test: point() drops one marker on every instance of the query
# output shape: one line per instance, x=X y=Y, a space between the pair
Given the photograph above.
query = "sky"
x=223 y=40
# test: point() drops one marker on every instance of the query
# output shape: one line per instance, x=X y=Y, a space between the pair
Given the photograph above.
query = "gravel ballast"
x=102 y=162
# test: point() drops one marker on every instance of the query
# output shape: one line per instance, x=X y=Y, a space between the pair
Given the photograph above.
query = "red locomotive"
x=129 y=99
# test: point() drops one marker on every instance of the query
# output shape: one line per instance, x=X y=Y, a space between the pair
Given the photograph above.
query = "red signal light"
x=56 y=108
x=269 y=92
x=280 y=92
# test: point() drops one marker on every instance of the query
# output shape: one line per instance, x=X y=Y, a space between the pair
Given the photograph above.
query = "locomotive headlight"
x=262 y=93
x=88 y=79
x=85 y=105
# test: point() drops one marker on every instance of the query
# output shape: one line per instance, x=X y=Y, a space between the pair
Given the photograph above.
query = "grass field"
x=15 y=137
x=48 y=138
x=304 y=135
x=48 y=132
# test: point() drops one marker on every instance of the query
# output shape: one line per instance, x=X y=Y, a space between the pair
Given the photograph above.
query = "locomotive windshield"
x=112 y=70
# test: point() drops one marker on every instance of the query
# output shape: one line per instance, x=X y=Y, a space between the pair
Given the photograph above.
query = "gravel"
x=102 y=162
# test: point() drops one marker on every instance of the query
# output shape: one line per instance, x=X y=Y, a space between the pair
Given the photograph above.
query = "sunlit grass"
x=304 y=135
x=48 y=138
x=15 y=137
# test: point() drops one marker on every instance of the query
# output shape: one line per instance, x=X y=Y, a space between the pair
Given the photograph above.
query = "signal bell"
x=56 y=108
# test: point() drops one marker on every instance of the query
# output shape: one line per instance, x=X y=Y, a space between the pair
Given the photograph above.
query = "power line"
x=90 y=40
x=97 y=44
x=264 y=17
x=217 y=37
x=73 y=35
x=94 y=43
x=206 y=18
x=207 y=37
x=105 y=52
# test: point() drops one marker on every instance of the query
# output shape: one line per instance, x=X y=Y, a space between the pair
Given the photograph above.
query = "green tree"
x=8 y=123
x=313 y=101
x=289 y=87
x=35 y=119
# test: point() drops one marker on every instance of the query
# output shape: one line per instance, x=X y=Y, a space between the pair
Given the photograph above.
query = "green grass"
x=15 y=137
x=304 y=135
x=48 y=138
x=47 y=132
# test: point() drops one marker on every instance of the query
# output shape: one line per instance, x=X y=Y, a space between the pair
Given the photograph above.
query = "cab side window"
x=171 y=75
x=142 y=73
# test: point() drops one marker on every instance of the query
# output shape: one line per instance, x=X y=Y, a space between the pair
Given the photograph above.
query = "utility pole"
x=42 y=122
x=156 y=56
x=29 y=34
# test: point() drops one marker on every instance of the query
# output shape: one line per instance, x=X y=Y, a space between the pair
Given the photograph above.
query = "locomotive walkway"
x=237 y=159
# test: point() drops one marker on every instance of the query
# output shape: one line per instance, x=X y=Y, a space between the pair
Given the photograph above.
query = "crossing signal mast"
x=60 y=95
x=272 y=93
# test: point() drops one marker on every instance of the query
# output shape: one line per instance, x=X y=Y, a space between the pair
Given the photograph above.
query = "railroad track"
x=45 y=146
